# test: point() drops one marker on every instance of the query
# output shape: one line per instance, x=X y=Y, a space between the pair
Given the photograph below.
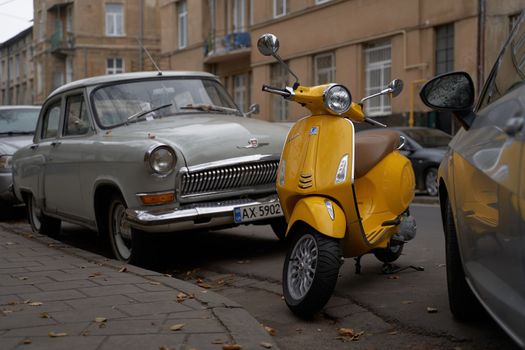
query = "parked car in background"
x=481 y=189
x=425 y=147
x=17 y=127
x=135 y=154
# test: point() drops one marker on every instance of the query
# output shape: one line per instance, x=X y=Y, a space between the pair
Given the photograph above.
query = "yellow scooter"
x=343 y=195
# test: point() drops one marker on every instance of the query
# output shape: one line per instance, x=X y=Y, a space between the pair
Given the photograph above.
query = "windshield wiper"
x=143 y=113
x=211 y=108
x=10 y=133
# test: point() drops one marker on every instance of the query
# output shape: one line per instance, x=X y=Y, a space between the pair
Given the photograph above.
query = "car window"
x=509 y=71
x=50 y=121
x=77 y=118
x=18 y=120
x=115 y=104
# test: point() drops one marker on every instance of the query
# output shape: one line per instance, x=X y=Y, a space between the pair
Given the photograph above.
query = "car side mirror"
x=451 y=92
x=254 y=109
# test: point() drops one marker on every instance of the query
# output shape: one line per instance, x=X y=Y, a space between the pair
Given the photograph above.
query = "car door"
x=62 y=184
x=488 y=159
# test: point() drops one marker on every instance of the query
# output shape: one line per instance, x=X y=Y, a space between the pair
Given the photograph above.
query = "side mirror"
x=395 y=87
x=254 y=109
x=268 y=44
x=449 y=92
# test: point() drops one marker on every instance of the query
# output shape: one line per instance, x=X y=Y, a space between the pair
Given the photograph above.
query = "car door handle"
x=55 y=143
x=513 y=126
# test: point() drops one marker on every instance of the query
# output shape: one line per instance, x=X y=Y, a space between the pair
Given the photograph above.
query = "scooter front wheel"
x=310 y=272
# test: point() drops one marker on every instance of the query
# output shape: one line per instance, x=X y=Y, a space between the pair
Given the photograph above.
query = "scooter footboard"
x=323 y=214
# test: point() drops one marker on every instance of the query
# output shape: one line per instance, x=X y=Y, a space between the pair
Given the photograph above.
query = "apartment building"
x=362 y=44
x=16 y=69
x=74 y=39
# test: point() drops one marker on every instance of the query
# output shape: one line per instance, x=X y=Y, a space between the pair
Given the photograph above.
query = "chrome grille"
x=230 y=177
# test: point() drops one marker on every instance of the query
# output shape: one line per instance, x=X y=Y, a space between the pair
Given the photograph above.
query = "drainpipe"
x=141 y=54
x=481 y=43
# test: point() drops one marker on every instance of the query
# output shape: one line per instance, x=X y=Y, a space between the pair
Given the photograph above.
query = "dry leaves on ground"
x=231 y=347
x=100 y=319
x=123 y=269
x=36 y=303
x=56 y=334
x=203 y=284
x=270 y=330
x=44 y=315
x=349 y=334
x=266 y=345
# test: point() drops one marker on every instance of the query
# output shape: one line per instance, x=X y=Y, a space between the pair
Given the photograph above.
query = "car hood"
x=9 y=144
x=204 y=138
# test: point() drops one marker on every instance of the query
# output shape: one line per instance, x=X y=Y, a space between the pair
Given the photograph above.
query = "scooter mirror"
x=268 y=44
x=395 y=86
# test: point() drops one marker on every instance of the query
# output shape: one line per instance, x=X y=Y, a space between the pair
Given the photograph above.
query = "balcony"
x=62 y=44
x=220 y=48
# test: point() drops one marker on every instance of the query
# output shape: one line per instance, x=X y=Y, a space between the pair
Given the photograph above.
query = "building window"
x=115 y=66
x=279 y=77
x=69 y=69
x=239 y=16
x=378 y=60
x=280 y=8
x=324 y=68
x=114 y=20
x=69 y=19
x=241 y=91
x=182 y=14
x=444 y=49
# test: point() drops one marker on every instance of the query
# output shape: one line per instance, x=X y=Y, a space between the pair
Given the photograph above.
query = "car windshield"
x=134 y=101
x=429 y=138
x=18 y=121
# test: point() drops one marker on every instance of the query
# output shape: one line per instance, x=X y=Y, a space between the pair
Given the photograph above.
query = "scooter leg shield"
x=322 y=214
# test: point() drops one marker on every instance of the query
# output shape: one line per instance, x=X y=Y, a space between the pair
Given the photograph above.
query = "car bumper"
x=197 y=216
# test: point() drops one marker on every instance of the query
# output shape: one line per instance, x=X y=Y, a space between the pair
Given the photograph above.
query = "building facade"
x=16 y=70
x=74 y=39
x=362 y=44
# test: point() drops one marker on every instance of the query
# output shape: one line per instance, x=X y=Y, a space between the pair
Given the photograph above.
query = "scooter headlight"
x=337 y=99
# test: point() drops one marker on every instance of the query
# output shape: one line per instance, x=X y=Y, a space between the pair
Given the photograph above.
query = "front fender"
x=313 y=211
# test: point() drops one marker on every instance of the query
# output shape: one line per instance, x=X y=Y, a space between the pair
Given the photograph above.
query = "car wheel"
x=310 y=272
x=463 y=303
x=431 y=184
x=390 y=253
x=126 y=243
x=279 y=227
x=39 y=222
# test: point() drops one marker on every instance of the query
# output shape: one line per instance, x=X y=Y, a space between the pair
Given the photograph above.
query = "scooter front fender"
x=315 y=212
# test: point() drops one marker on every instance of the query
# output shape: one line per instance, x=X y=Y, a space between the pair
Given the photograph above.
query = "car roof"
x=122 y=77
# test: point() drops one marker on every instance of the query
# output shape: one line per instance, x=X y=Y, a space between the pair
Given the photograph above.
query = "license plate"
x=256 y=212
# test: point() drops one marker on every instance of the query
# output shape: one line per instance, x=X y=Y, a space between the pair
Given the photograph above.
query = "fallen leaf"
x=218 y=341
x=123 y=269
x=23 y=278
x=26 y=341
x=44 y=315
x=431 y=310
x=181 y=297
x=231 y=347
x=203 y=284
x=270 y=330
x=220 y=282
x=154 y=283
x=346 y=331
x=393 y=277
x=392 y=333
x=406 y=302
x=177 y=327
x=56 y=335
x=100 y=319
x=12 y=303
x=164 y=347
x=94 y=274
x=348 y=334
x=266 y=345
x=36 y=303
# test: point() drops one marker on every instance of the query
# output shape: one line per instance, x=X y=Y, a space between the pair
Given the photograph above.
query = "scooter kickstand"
x=358 y=264
x=389 y=268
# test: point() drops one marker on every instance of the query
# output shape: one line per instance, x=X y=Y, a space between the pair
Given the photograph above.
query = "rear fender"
x=314 y=212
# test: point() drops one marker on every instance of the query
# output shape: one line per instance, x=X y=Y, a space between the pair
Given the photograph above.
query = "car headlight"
x=5 y=162
x=161 y=160
x=337 y=99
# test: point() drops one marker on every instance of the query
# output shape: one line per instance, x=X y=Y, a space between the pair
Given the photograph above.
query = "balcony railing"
x=62 y=43
x=218 y=45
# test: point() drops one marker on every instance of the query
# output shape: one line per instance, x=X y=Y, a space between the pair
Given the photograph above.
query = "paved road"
x=245 y=265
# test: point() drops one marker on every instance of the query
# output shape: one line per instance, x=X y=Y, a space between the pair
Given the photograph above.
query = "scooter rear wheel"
x=310 y=272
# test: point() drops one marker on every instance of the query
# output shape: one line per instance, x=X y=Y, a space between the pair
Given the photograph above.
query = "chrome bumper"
x=194 y=217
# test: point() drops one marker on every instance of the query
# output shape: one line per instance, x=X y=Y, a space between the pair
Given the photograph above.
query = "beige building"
x=74 y=39
x=362 y=44
x=16 y=69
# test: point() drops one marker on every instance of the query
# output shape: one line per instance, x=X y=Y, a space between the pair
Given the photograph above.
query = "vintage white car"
x=133 y=154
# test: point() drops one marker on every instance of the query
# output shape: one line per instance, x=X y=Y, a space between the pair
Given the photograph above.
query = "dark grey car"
x=17 y=127
x=482 y=189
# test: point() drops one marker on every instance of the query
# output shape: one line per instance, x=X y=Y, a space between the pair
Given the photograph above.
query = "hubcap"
x=302 y=266
x=431 y=182
x=35 y=214
x=121 y=232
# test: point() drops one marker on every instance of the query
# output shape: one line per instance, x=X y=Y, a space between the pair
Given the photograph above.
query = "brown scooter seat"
x=371 y=147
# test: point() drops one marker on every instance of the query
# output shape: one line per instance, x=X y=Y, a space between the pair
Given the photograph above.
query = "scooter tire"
x=389 y=254
x=324 y=262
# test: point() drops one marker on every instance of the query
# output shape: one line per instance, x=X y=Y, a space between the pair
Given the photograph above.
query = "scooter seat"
x=371 y=147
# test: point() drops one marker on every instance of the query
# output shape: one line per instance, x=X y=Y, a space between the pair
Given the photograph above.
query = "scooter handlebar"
x=278 y=91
